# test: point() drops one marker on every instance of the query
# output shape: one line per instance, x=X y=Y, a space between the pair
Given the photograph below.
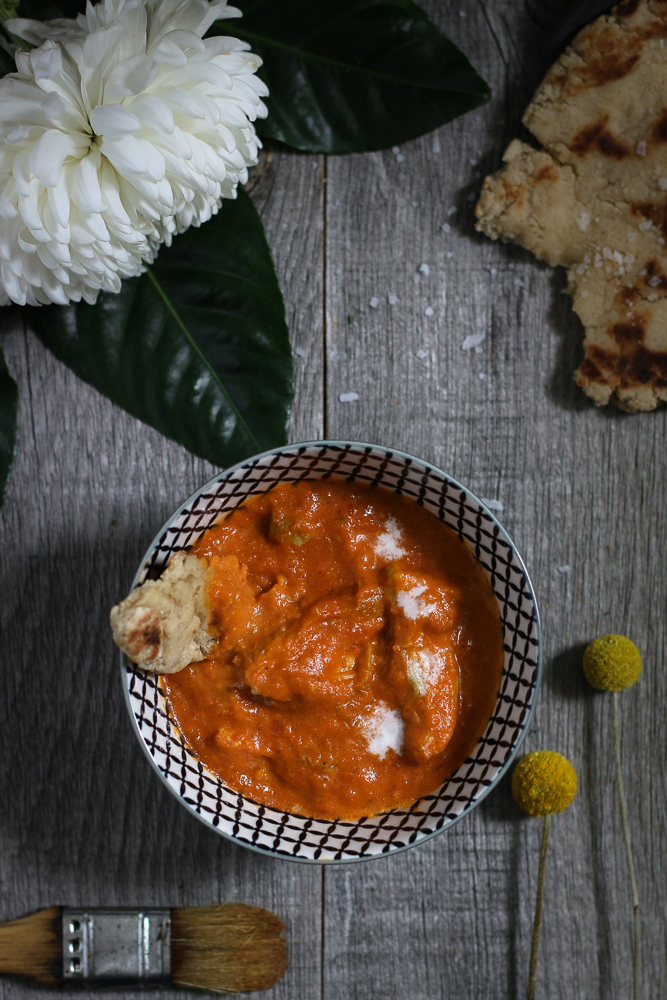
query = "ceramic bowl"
x=301 y=838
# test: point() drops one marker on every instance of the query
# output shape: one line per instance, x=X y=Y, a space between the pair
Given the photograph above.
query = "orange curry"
x=359 y=657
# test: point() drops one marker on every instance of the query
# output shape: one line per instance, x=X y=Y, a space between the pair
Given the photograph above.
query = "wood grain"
x=84 y=819
x=581 y=488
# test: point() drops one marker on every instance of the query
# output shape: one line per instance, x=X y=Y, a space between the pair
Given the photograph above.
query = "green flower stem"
x=637 y=958
x=535 y=943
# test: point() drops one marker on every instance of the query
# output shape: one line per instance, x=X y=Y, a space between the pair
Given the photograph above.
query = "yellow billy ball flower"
x=612 y=663
x=544 y=782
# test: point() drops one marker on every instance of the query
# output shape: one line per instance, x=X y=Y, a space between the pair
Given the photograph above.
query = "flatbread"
x=166 y=624
x=594 y=199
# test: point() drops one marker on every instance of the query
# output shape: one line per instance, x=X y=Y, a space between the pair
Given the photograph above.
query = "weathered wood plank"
x=84 y=819
x=581 y=488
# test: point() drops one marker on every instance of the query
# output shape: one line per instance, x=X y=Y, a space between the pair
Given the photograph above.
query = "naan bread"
x=594 y=199
x=166 y=624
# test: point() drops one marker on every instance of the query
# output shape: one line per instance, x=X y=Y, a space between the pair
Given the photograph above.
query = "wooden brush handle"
x=33 y=946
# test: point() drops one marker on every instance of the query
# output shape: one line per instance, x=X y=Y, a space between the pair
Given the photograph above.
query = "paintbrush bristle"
x=231 y=948
x=33 y=946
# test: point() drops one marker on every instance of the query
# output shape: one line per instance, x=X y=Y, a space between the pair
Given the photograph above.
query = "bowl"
x=301 y=838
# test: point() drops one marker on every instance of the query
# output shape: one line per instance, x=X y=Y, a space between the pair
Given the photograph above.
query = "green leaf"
x=48 y=10
x=9 y=407
x=197 y=347
x=352 y=75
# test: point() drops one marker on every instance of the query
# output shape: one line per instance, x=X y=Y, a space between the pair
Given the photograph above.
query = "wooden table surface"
x=84 y=819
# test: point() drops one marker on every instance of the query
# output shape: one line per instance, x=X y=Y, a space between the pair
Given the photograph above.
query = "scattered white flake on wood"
x=424 y=269
x=473 y=340
x=399 y=157
x=383 y=730
x=374 y=302
x=493 y=272
x=421 y=354
x=446 y=228
x=428 y=311
x=395 y=150
x=641 y=148
x=492 y=504
x=462 y=13
x=481 y=376
x=451 y=210
x=299 y=351
x=449 y=255
x=436 y=145
x=563 y=569
x=654 y=281
x=583 y=221
x=348 y=397
x=663 y=183
x=392 y=299
x=519 y=283
x=388 y=545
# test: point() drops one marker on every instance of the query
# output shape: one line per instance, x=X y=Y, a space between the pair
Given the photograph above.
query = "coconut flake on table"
x=388 y=545
x=424 y=269
x=374 y=302
x=383 y=730
x=348 y=397
x=473 y=340
x=392 y=299
x=409 y=603
x=492 y=504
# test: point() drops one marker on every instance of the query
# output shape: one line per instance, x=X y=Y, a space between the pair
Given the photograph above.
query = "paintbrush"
x=230 y=948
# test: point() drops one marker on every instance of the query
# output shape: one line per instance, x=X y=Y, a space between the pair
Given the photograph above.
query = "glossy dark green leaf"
x=197 y=347
x=48 y=10
x=9 y=406
x=352 y=75
x=7 y=64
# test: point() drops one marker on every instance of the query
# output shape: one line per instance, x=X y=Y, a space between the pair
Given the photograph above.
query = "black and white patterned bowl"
x=300 y=838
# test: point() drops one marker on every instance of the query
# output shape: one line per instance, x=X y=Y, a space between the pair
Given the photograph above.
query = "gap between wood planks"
x=325 y=434
x=325 y=408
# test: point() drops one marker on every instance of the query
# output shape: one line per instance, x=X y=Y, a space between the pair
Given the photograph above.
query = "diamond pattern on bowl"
x=302 y=838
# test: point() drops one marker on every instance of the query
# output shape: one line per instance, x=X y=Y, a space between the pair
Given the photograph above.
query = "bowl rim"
x=502 y=771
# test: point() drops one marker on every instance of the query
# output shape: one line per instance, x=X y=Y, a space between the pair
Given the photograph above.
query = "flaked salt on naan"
x=594 y=199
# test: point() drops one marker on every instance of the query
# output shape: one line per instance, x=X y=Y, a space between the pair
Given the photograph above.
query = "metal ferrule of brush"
x=115 y=947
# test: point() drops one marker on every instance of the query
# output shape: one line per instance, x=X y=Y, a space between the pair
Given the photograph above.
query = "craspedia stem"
x=539 y=903
x=637 y=957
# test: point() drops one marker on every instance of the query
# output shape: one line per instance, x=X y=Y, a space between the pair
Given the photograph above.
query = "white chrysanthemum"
x=121 y=128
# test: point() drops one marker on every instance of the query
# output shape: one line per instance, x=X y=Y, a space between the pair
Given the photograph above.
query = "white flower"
x=119 y=129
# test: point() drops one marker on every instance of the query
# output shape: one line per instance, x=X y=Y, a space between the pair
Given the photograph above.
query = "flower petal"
x=113 y=120
x=130 y=77
x=49 y=153
x=152 y=113
x=85 y=187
